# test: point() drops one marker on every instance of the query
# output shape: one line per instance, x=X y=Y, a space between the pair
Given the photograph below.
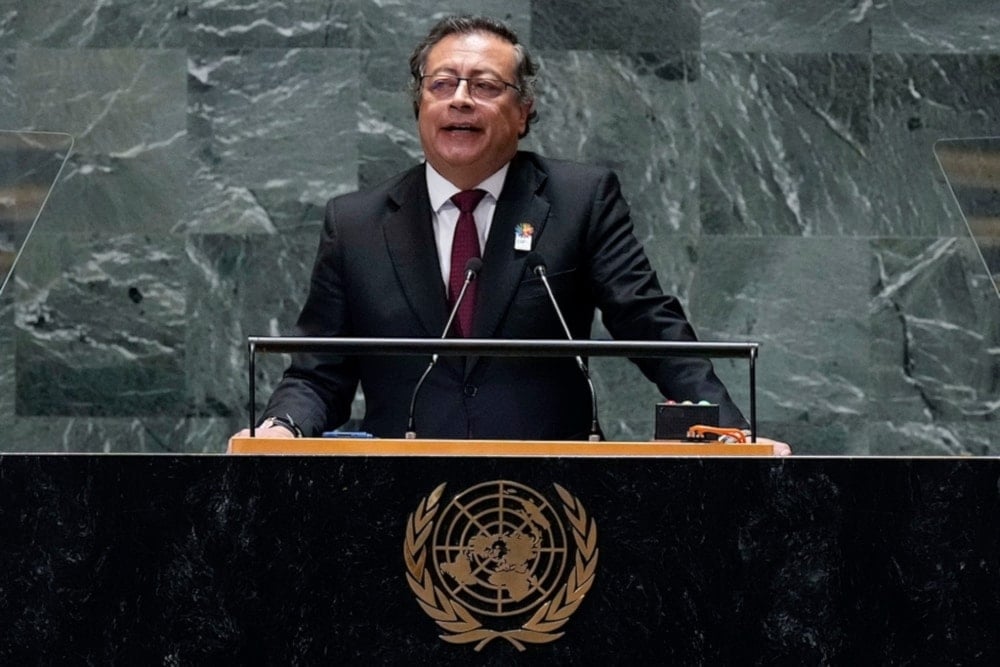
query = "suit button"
x=471 y=390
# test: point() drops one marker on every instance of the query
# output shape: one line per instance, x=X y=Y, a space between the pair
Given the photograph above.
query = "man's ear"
x=525 y=114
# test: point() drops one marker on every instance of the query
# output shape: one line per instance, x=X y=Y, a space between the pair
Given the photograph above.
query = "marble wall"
x=777 y=155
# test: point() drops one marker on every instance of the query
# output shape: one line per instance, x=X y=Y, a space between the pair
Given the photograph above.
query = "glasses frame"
x=468 y=84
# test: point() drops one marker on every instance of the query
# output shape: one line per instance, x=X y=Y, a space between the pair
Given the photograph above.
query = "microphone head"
x=473 y=266
x=536 y=262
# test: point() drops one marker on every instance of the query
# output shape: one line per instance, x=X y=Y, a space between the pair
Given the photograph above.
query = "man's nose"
x=463 y=94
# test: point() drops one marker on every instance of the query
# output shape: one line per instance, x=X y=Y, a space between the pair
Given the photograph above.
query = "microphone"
x=472 y=269
x=537 y=264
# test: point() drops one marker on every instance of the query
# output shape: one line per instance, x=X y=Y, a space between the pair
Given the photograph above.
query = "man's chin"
x=459 y=146
x=461 y=157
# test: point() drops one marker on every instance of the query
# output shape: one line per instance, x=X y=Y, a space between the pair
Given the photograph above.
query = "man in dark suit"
x=386 y=267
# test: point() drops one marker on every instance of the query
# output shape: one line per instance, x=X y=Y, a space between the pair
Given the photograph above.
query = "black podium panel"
x=303 y=560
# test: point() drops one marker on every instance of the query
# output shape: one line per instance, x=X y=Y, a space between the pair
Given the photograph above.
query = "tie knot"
x=468 y=200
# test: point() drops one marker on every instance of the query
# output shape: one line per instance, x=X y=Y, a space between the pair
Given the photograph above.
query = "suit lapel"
x=503 y=266
x=409 y=237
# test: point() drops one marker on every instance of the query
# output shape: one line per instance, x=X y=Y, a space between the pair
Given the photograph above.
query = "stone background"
x=777 y=155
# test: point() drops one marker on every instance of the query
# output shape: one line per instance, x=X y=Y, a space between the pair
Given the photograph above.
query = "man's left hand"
x=779 y=448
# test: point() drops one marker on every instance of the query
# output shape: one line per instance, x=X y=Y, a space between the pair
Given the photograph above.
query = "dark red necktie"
x=464 y=247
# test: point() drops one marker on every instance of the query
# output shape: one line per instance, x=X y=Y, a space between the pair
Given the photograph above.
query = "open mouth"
x=461 y=128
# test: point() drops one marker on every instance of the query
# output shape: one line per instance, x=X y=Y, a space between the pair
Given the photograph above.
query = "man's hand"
x=779 y=448
x=275 y=431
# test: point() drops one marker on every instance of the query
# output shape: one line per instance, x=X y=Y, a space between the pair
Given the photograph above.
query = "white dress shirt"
x=445 y=213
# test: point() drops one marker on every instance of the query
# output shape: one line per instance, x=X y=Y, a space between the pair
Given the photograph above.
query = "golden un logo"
x=499 y=554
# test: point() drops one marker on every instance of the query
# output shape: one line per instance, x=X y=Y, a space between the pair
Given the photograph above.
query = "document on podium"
x=30 y=164
x=972 y=169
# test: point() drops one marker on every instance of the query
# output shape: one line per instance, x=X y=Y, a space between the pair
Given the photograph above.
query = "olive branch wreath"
x=460 y=625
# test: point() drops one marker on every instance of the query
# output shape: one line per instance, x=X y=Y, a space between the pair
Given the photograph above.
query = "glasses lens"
x=486 y=89
x=443 y=87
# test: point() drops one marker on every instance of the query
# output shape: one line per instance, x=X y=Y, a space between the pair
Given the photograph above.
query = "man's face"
x=464 y=138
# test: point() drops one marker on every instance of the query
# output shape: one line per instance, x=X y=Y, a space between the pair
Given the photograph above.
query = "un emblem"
x=499 y=553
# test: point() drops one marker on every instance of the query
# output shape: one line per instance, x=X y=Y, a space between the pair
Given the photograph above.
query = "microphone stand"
x=472 y=269
x=595 y=429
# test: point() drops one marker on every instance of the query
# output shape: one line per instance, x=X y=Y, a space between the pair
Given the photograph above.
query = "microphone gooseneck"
x=537 y=265
x=472 y=269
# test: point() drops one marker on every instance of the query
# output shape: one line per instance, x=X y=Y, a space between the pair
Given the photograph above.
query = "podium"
x=383 y=558
x=490 y=448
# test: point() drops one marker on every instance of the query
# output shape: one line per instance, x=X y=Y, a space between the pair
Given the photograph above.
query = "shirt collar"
x=441 y=190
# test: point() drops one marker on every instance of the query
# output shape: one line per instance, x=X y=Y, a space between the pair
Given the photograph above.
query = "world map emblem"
x=500 y=560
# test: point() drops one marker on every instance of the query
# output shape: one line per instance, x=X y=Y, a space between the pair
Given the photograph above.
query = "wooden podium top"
x=513 y=448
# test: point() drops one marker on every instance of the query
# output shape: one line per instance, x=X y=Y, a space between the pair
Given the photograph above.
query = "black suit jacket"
x=377 y=274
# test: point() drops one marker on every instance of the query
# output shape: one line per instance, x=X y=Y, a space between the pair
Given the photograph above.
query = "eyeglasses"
x=443 y=86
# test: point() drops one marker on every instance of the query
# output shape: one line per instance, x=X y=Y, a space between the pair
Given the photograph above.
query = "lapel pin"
x=523 y=234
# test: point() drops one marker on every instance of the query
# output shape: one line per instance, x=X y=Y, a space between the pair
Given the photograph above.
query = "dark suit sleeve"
x=633 y=306
x=317 y=390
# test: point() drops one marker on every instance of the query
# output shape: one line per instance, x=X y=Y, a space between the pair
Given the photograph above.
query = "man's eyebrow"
x=479 y=72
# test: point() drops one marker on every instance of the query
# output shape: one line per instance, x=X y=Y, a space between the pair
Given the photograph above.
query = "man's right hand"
x=275 y=431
